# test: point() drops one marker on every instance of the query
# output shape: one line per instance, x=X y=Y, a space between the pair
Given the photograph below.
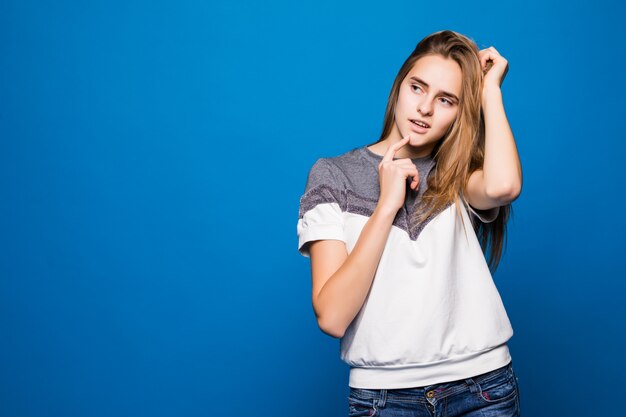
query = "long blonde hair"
x=461 y=149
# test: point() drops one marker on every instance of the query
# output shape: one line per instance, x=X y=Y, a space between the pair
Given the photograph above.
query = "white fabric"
x=325 y=221
x=433 y=313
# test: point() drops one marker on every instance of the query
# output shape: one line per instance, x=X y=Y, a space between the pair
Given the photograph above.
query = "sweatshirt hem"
x=420 y=375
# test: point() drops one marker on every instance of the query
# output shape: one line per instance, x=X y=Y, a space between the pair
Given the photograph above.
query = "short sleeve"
x=485 y=216
x=322 y=205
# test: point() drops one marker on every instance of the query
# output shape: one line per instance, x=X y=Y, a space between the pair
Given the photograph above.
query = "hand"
x=393 y=175
x=494 y=74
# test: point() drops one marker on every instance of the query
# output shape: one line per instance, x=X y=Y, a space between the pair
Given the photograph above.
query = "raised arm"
x=500 y=180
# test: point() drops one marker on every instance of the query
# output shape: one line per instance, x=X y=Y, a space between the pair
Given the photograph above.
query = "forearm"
x=501 y=168
x=343 y=295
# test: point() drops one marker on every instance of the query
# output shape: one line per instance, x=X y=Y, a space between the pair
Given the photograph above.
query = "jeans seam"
x=507 y=398
x=506 y=370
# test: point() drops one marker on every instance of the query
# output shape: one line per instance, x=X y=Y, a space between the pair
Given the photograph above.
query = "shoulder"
x=329 y=180
x=335 y=171
x=323 y=173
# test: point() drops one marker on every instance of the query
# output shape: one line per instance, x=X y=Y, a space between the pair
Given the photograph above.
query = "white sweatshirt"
x=433 y=313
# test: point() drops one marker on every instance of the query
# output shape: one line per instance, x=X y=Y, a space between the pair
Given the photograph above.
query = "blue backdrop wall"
x=152 y=156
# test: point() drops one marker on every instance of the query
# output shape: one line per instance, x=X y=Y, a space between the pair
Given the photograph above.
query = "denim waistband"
x=439 y=391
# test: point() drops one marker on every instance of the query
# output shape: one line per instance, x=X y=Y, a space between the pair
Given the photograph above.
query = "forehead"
x=439 y=73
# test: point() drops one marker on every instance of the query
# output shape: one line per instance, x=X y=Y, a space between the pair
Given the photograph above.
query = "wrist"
x=490 y=93
x=386 y=212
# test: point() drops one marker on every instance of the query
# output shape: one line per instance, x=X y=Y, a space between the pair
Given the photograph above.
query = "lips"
x=420 y=123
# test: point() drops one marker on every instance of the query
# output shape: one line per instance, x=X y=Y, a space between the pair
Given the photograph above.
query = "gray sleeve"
x=322 y=206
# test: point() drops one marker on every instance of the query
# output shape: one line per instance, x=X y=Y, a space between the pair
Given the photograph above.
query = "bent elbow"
x=505 y=193
x=512 y=192
x=330 y=328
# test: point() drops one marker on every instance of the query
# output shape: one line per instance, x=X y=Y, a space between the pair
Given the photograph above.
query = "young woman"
x=397 y=232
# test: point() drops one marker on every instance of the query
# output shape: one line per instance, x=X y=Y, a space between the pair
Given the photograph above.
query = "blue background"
x=152 y=156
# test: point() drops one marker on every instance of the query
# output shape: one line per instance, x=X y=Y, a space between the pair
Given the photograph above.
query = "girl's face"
x=429 y=93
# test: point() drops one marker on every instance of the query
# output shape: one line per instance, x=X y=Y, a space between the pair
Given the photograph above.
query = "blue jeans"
x=494 y=393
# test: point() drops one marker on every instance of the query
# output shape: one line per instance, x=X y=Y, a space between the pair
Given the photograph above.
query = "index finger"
x=393 y=148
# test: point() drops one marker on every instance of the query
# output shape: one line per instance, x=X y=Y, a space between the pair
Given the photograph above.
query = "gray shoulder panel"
x=351 y=181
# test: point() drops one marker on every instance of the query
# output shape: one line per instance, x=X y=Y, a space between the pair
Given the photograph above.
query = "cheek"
x=448 y=119
x=407 y=99
x=442 y=127
x=402 y=104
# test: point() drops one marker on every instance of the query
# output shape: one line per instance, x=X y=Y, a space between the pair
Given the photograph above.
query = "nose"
x=424 y=107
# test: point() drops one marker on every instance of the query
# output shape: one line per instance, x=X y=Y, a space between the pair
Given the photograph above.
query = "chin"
x=416 y=139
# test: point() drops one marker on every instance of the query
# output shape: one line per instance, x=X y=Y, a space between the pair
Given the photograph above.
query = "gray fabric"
x=351 y=181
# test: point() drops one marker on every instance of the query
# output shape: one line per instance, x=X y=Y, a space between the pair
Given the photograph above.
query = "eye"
x=415 y=85
x=448 y=102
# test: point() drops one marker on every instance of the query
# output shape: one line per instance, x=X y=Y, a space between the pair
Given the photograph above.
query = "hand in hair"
x=495 y=72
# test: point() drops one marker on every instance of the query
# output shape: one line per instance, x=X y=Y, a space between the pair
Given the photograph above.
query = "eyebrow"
x=445 y=93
